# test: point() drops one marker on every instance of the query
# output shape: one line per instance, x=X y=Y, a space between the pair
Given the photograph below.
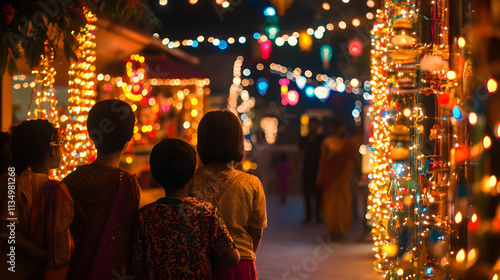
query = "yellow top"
x=239 y=197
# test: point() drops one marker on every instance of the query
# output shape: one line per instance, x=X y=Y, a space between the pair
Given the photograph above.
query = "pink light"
x=165 y=108
x=293 y=97
x=265 y=48
x=284 y=82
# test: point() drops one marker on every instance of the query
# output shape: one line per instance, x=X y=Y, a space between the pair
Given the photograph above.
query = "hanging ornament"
x=326 y=55
x=265 y=47
x=281 y=6
x=305 y=41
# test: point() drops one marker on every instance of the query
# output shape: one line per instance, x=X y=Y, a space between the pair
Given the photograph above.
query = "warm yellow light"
x=492 y=85
x=451 y=75
x=356 y=22
x=474 y=218
x=163 y=2
x=400 y=272
x=370 y=3
x=129 y=160
x=471 y=256
x=458 y=218
x=194 y=113
x=192 y=2
x=354 y=82
x=330 y=26
x=461 y=42
x=486 y=142
x=495 y=277
x=225 y=4
x=407 y=112
x=473 y=118
x=342 y=25
x=186 y=125
x=326 y=6
x=493 y=181
x=460 y=256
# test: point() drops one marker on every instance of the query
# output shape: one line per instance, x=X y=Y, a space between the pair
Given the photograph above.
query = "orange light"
x=326 y=6
x=461 y=42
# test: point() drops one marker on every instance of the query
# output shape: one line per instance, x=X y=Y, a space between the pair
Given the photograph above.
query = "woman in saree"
x=43 y=207
x=106 y=198
x=336 y=168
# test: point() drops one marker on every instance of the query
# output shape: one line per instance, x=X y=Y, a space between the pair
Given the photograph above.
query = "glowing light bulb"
x=473 y=118
x=458 y=218
x=461 y=42
x=492 y=85
x=486 y=142
x=460 y=256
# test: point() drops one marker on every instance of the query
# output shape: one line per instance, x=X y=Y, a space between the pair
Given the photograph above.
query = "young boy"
x=179 y=237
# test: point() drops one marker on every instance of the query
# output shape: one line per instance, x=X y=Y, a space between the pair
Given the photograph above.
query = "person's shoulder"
x=199 y=203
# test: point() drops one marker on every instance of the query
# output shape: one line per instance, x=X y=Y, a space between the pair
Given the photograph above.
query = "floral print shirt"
x=174 y=238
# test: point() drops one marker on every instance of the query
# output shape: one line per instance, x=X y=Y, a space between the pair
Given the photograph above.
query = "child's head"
x=220 y=138
x=173 y=163
x=32 y=142
x=110 y=124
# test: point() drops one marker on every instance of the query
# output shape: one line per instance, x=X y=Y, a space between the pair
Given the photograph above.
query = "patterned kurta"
x=174 y=238
x=240 y=198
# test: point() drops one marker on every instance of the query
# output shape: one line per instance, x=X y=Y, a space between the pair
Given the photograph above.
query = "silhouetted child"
x=179 y=237
x=284 y=170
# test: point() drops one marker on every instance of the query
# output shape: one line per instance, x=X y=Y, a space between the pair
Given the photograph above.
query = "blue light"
x=269 y=12
x=222 y=44
x=457 y=113
x=310 y=91
x=429 y=271
x=399 y=168
x=256 y=35
x=195 y=44
x=262 y=86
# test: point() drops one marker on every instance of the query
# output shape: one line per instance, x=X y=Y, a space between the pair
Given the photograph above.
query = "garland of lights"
x=43 y=89
x=136 y=73
x=79 y=149
x=292 y=38
x=378 y=206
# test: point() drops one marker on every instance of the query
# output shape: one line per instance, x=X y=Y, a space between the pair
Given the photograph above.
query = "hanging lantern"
x=265 y=47
x=305 y=41
x=281 y=6
x=326 y=55
x=355 y=47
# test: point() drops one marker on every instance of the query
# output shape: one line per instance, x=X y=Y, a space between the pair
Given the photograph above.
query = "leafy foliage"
x=26 y=24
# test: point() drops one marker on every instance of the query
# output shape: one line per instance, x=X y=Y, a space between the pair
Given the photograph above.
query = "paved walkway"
x=292 y=251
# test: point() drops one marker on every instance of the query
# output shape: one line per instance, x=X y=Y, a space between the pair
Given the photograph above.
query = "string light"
x=78 y=148
x=43 y=92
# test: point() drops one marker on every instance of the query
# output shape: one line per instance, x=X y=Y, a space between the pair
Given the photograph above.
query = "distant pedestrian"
x=239 y=196
x=310 y=147
x=336 y=168
x=175 y=236
x=284 y=170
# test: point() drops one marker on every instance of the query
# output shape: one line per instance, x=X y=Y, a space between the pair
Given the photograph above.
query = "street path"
x=292 y=251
